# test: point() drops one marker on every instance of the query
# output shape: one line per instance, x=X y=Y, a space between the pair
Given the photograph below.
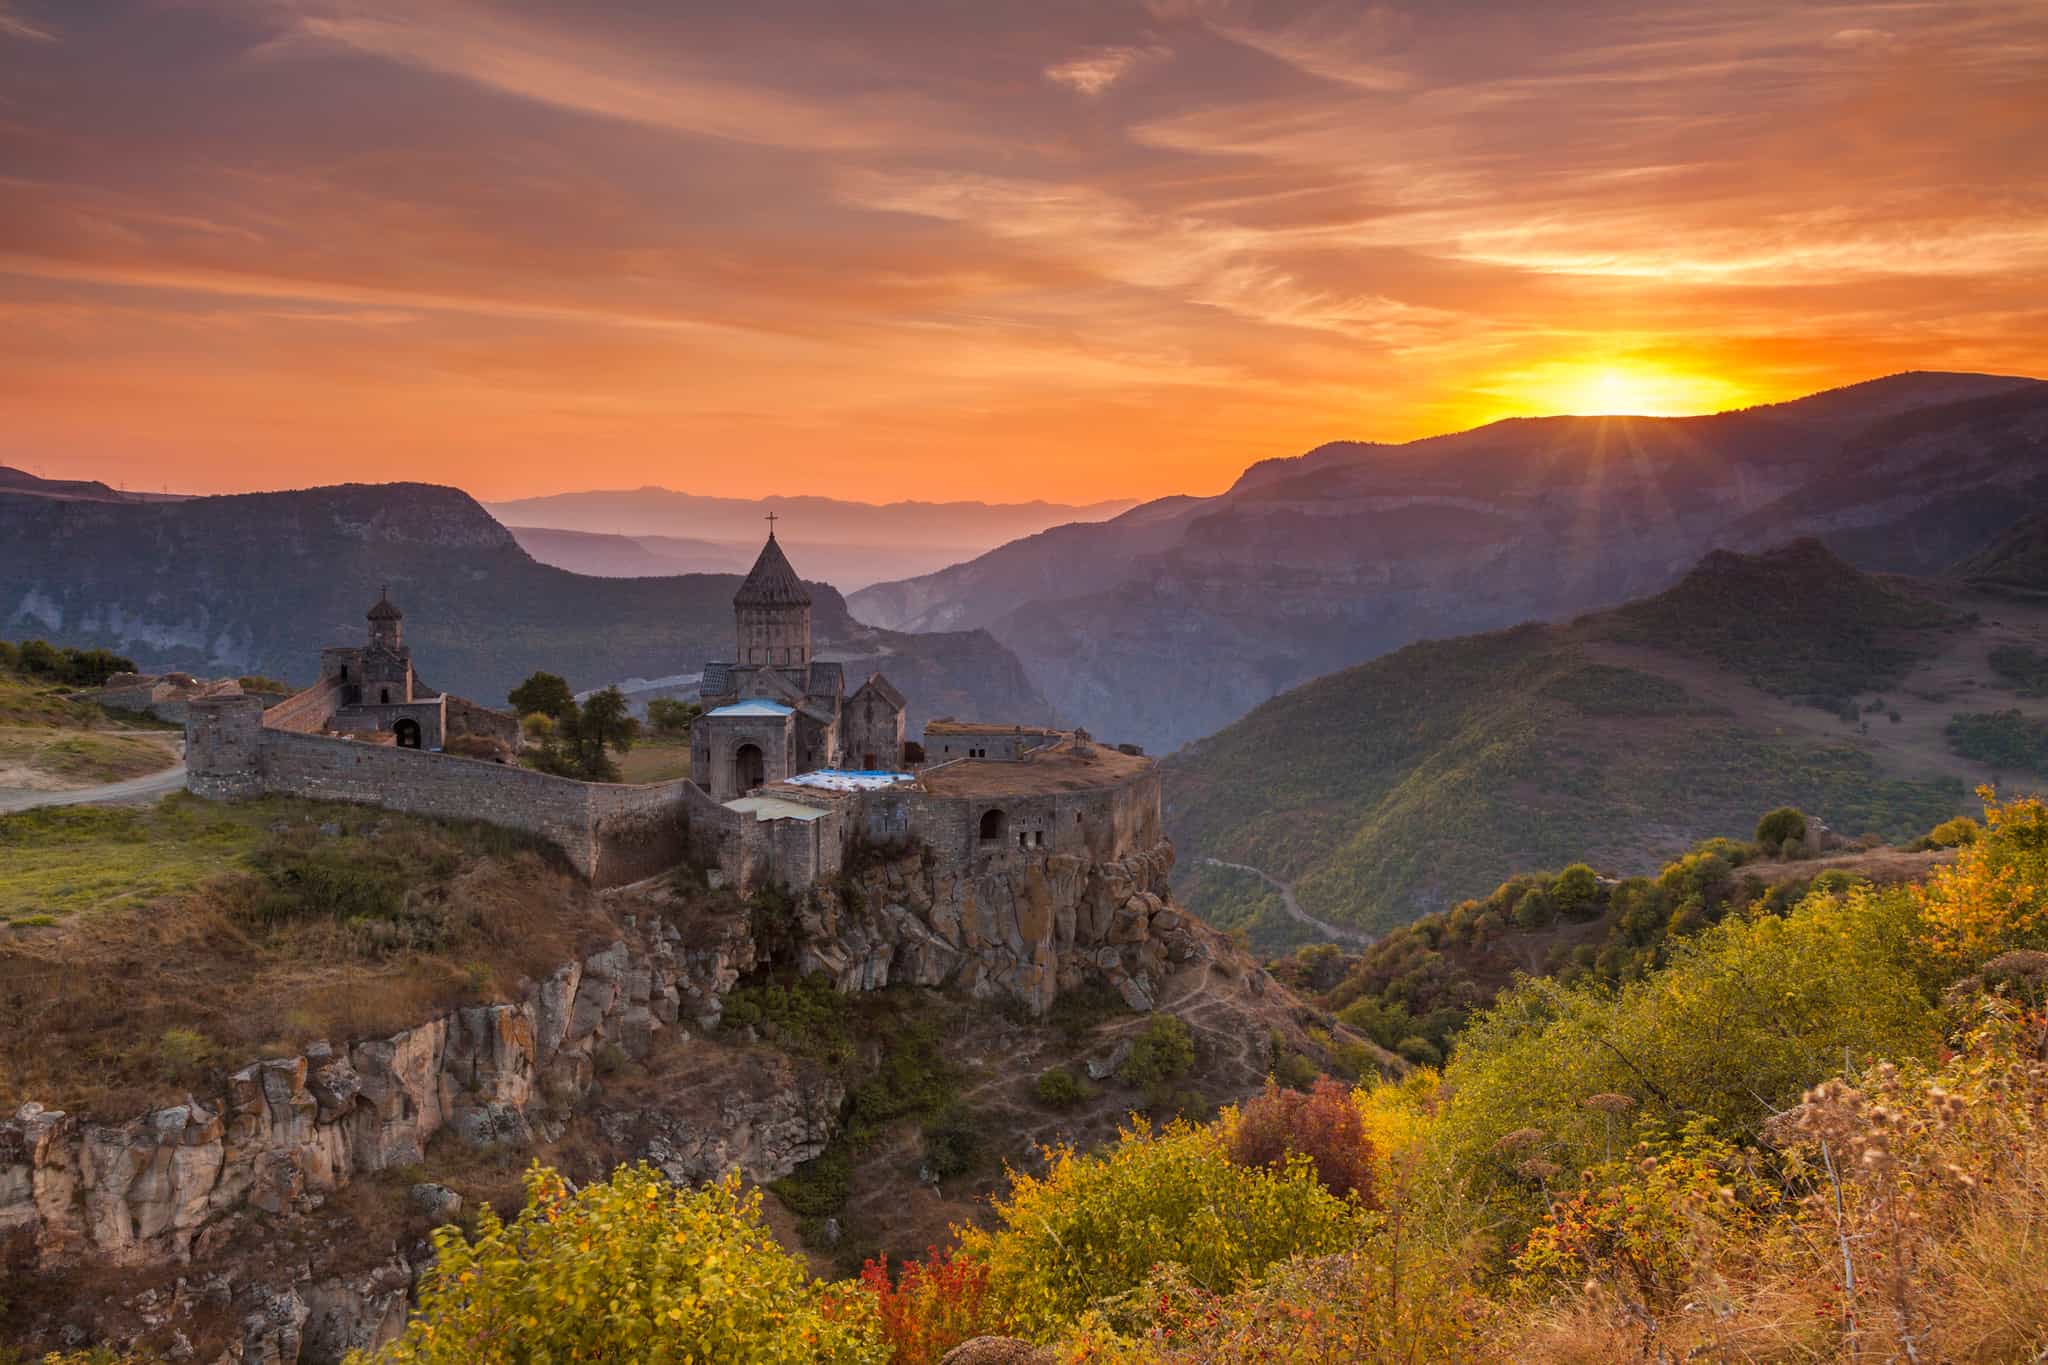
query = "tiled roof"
x=772 y=582
x=884 y=689
x=827 y=680
x=384 y=609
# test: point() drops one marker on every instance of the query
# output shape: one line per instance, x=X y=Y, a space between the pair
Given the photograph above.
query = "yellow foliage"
x=1994 y=897
x=1093 y=1227
x=635 y=1268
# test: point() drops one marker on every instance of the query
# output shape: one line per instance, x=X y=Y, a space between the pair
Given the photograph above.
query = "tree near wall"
x=542 y=694
x=671 y=718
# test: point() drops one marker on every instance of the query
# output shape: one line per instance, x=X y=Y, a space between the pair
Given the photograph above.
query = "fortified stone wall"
x=1101 y=823
x=309 y=711
x=610 y=834
x=465 y=717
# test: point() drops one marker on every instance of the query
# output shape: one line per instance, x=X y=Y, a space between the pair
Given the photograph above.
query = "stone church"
x=774 y=711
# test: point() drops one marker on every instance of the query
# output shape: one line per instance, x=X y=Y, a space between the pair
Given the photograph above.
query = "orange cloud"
x=988 y=250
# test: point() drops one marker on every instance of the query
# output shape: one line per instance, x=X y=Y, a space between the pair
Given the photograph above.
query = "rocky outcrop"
x=290 y=1131
x=188 y=1189
x=1026 y=927
x=732 y=1109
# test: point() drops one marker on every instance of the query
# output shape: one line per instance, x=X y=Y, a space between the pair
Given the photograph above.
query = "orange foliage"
x=1323 y=1125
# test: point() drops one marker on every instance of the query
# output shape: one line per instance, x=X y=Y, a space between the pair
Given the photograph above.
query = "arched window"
x=385 y=696
x=992 y=823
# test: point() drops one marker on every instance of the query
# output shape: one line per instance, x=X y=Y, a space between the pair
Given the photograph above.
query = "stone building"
x=789 y=776
x=774 y=710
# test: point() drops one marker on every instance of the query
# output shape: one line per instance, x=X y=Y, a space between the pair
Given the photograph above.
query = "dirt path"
x=1335 y=933
x=154 y=787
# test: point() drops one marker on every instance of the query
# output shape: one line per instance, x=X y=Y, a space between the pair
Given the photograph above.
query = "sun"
x=1625 y=392
x=1605 y=387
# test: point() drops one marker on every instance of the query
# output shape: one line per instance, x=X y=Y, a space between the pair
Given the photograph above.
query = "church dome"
x=772 y=583
x=385 y=609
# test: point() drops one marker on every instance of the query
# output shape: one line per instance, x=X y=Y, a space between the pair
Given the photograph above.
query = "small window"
x=386 y=695
x=1038 y=837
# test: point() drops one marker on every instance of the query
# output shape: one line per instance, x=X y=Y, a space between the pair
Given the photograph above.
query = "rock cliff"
x=1023 y=927
x=195 y=1203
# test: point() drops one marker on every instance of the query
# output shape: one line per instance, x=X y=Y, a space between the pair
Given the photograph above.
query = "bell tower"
x=772 y=611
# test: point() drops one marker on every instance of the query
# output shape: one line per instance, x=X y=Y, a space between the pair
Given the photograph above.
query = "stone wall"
x=307 y=712
x=610 y=834
x=1100 y=823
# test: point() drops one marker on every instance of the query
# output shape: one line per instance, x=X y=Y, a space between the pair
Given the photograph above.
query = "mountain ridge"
x=1788 y=677
x=1315 y=562
x=259 y=582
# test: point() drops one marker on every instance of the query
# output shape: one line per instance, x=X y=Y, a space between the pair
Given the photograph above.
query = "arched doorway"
x=749 y=767
x=408 y=733
x=992 y=825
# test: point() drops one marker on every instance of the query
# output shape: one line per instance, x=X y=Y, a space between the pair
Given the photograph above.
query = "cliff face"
x=249 y=1202
x=260 y=583
x=1177 y=617
x=1022 y=928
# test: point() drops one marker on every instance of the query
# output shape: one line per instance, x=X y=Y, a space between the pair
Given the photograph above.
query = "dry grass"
x=108 y=1013
x=655 y=760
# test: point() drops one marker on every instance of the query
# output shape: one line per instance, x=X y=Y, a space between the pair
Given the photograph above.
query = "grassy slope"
x=143 y=949
x=1424 y=777
x=49 y=742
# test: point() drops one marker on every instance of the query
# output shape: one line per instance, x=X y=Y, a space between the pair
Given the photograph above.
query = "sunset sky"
x=965 y=248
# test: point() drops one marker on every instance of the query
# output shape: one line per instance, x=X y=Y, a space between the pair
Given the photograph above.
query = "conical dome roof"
x=772 y=583
x=385 y=609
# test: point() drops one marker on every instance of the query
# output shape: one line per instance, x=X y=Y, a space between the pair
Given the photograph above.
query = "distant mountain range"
x=849 y=544
x=1175 y=618
x=1406 y=784
x=257 y=583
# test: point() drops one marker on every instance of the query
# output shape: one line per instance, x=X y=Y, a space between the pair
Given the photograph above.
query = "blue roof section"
x=757 y=707
x=850 y=780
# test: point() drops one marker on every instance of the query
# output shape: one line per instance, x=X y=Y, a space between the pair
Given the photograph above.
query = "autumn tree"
x=631 y=1268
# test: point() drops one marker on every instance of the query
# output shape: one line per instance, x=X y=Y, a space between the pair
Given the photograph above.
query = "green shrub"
x=1576 y=893
x=1785 y=824
x=952 y=1141
x=1060 y=1088
x=1164 y=1051
x=1534 y=910
x=1745 y=1017
x=1420 y=1051
x=2005 y=739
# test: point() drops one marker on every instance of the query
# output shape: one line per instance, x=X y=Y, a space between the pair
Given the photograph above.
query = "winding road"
x=1337 y=933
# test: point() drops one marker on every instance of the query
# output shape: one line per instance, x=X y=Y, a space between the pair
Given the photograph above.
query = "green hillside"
x=1394 y=788
x=2016 y=563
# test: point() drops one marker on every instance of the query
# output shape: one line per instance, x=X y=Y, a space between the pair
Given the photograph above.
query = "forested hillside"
x=1404 y=785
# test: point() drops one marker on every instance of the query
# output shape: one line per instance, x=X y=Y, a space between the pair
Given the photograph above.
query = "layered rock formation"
x=292 y=1130
x=1023 y=927
x=195 y=1200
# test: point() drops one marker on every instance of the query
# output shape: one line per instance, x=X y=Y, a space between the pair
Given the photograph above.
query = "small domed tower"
x=773 y=613
x=387 y=622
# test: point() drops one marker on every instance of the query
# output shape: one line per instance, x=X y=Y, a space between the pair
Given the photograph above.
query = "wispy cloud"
x=854 y=241
x=1094 y=72
x=13 y=25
